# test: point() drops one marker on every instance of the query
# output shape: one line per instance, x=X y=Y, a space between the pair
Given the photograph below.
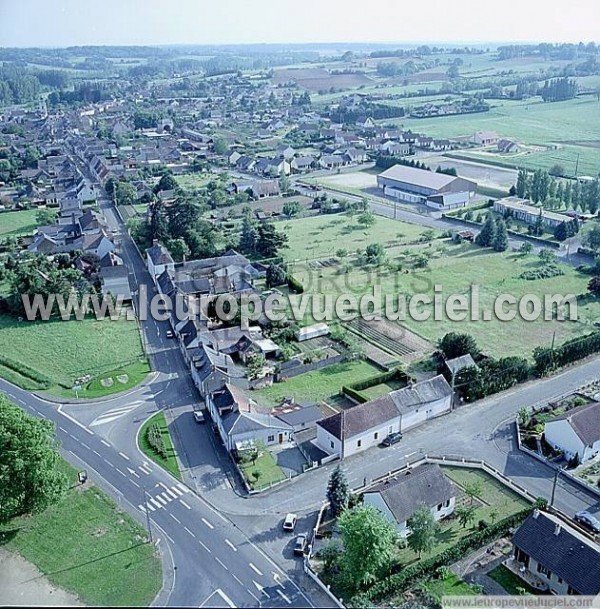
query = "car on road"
x=300 y=544
x=589 y=521
x=169 y=334
x=289 y=524
x=392 y=438
x=199 y=416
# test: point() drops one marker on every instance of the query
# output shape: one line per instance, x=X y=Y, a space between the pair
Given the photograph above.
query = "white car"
x=199 y=416
x=289 y=524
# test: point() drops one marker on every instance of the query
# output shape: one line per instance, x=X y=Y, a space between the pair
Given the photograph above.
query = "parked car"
x=169 y=334
x=289 y=524
x=199 y=416
x=300 y=545
x=392 y=439
x=588 y=520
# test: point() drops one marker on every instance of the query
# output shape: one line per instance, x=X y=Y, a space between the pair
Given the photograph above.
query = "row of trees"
x=559 y=89
x=493 y=234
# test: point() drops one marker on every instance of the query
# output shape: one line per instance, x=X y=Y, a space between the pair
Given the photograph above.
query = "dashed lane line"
x=231 y=545
x=192 y=534
x=185 y=505
x=208 y=524
x=255 y=569
x=205 y=547
x=175 y=518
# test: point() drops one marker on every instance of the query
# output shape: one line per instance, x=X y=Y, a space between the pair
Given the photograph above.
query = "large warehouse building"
x=437 y=190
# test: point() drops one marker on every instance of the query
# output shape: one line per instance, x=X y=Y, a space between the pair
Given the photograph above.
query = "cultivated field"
x=319 y=79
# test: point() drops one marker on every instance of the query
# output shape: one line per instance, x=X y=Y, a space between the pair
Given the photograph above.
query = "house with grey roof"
x=240 y=423
x=560 y=558
x=366 y=425
x=398 y=498
x=577 y=432
x=158 y=259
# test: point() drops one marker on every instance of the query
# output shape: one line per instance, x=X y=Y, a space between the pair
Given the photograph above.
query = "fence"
x=288 y=369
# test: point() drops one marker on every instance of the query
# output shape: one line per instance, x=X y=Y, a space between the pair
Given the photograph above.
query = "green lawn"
x=322 y=236
x=62 y=351
x=455 y=268
x=318 y=385
x=267 y=467
x=510 y=582
x=17 y=222
x=452 y=585
x=192 y=181
x=170 y=463
x=89 y=546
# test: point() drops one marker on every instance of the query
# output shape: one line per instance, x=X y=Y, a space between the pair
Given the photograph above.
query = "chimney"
x=557 y=530
x=154 y=242
x=536 y=514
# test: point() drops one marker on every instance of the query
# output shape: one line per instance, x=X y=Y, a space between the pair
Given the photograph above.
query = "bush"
x=545 y=272
x=155 y=440
x=26 y=371
x=294 y=285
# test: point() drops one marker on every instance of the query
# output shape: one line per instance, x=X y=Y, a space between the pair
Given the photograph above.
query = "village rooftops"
x=585 y=421
x=413 y=396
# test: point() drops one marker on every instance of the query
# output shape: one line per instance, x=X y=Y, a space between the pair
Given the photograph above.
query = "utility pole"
x=556 y=475
x=577 y=166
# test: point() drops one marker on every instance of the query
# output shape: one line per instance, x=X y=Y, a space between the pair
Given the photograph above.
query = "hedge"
x=353 y=389
x=408 y=576
x=294 y=285
x=26 y=371
x=548 y=359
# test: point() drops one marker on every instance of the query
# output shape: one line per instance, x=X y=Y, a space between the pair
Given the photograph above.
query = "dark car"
x=392 y=438
x=300 y=545
x=588 y=520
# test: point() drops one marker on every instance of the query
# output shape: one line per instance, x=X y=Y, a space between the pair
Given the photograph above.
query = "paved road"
x=222 y=548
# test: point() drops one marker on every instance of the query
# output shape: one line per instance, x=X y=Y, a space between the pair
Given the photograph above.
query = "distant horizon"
x=66 y=23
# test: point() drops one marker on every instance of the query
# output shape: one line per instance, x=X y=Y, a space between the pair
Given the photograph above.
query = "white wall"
x=370 y=438
x=560 y=435
x=328 y=442
x=425 y=412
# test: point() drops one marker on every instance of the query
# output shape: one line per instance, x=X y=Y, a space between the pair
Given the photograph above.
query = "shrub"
x=294 y=285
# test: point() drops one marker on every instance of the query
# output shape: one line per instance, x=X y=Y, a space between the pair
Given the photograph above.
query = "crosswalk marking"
x=141 y=508
x=166 y=497
x=144 y=468
x=177 y=491
x=154 y=502
x=159 y=498
x=184 y=488
x=114 y=414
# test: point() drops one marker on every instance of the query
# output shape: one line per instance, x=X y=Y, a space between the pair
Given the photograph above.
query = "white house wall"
x=425 y=412
x=370 y=438
x=560 y=435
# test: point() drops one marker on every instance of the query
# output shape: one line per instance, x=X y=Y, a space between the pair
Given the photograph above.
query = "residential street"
x=223 y=548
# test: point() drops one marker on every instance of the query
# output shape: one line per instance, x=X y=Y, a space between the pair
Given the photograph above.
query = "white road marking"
x=184 y=488
x=192 y=534
x=154 y=502
x=166 y=497
x=210 y=526
x=205 y=547
x=141 y=508
x=124 y=456
x=168 y=491
x=175 y=518
x=133 y=472
x=135 y=483
x=145 y=469
x=159 y=498
x=184 y=504
x=237 y=579
x=284 y=597
x=105 y=443
x=114 y=414
x=85 y=446
x=96 y=453
x=177 y=491
x=255 y=569
x=74 y=420
x=63 y=429
x=122 y=473
x=108 y=462
x=231 y=545
x=225 y=598
x=222 y=564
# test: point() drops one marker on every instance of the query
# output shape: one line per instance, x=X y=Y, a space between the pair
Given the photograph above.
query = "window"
x=390 y=429
x=439 y=507
x=331 y=444
x=543 y=570
x=375 y=435
x=270 y=438
x=560 y=580
x=358 y=443
x=447 y=503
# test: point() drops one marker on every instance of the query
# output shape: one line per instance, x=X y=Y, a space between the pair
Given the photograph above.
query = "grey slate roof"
x=569 y=554
x=424 y=485
x=159 y=254
x=458 y=363
x=418 y=177
x=407 y=398
x=585 y=421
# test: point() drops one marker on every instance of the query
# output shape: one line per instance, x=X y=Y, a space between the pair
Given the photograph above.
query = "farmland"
x=17 y=223
x=454 y=267
x=319 y=79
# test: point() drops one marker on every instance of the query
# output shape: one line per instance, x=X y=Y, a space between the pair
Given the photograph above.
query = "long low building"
x=437 y=190
x=522 y=209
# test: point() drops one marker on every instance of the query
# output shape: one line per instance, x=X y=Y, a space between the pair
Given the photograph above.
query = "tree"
x=423 y=528
x=330 y=553
x=30 y=480
x=166 y=182
x=291 y=208
x=485 y=238
x=561 y=231
x=369 y=541
x=275 y=276
x=465 y=514
x=182 y=216
x=43 y=217
x=521 y=186
x=592 y=239
x=219 y=145
x=526 y=248
x=594 y=286
x=473 y=490
x=367 y=219
x=269 y=240
x=454 y=345
x=338 y=492
x=249 y=235
x=125 y=193
x=500 y=242
x=254 y=365
x=557 y=170
x=179 y=249
x=374 y=253
x=284 y=182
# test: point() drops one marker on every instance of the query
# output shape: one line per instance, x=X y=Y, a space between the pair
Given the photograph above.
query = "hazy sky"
x=78 y=22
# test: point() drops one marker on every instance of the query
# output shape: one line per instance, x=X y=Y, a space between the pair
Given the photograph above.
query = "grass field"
x=453 y=267
x=317 y=385
x=17 y=222
x=170 y=463
x=193 y=181
x=89 y=546
x=62 y=351
x=322 y=236
x=267 y=467
x=450 y=586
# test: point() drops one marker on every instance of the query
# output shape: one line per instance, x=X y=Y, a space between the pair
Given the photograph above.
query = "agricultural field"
x=454 y=267
x=319 y=79
x=17 y=223
x=61 y=351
